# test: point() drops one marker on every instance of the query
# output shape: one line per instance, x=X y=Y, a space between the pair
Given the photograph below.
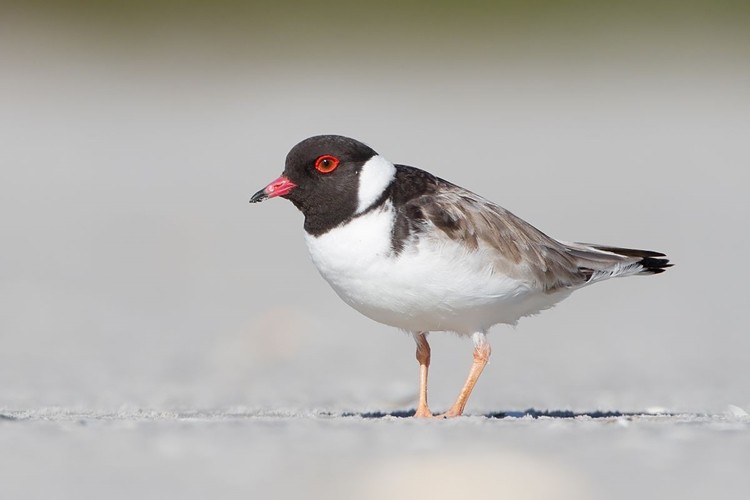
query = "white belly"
x=437 y=285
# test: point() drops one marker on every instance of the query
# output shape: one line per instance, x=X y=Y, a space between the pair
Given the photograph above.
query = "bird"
x=413 y=251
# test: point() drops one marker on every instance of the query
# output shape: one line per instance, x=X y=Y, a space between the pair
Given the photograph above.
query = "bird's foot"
x=423 y=412
x=452 y=412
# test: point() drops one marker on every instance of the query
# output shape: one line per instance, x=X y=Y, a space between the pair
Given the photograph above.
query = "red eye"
x=326 y=164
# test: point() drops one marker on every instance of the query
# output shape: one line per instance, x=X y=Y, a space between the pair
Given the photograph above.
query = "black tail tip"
x=653 y=265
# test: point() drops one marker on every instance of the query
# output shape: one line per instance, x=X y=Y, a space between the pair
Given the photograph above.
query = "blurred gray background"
x=134 y=274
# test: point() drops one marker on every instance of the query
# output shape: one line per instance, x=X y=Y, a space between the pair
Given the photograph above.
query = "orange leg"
x=482 y=353
x=423 y=356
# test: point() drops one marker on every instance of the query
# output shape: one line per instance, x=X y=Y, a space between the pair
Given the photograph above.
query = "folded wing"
x=517 y=248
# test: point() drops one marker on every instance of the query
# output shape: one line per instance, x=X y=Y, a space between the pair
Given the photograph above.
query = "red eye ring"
x=326 y=164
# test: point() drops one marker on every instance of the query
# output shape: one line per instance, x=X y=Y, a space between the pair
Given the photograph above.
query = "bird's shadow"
x=529 y=413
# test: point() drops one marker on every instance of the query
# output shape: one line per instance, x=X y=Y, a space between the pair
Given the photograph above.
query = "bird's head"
x=330 y=177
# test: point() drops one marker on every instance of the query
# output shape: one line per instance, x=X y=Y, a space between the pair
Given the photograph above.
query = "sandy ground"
x=320 y=454
x=161 y=338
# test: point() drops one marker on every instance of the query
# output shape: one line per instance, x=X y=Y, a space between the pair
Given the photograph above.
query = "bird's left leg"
x=423 y=357
x=482 y=353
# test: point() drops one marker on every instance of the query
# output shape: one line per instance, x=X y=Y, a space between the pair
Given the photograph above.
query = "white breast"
x=436 y=284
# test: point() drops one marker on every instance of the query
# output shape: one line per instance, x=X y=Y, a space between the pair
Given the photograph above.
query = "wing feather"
x=433 y=207
x=518 y=249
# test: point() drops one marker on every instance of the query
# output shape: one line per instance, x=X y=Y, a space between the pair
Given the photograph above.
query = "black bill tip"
x=259 y=196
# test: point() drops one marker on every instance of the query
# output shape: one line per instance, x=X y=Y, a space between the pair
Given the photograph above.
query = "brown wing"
x=520 y=250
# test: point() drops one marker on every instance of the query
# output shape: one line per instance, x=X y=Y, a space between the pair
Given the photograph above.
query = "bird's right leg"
x=423 y=357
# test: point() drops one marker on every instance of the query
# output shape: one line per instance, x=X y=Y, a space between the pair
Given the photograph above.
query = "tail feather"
x=629 y=252
x=652 y=262
x=602 y=262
